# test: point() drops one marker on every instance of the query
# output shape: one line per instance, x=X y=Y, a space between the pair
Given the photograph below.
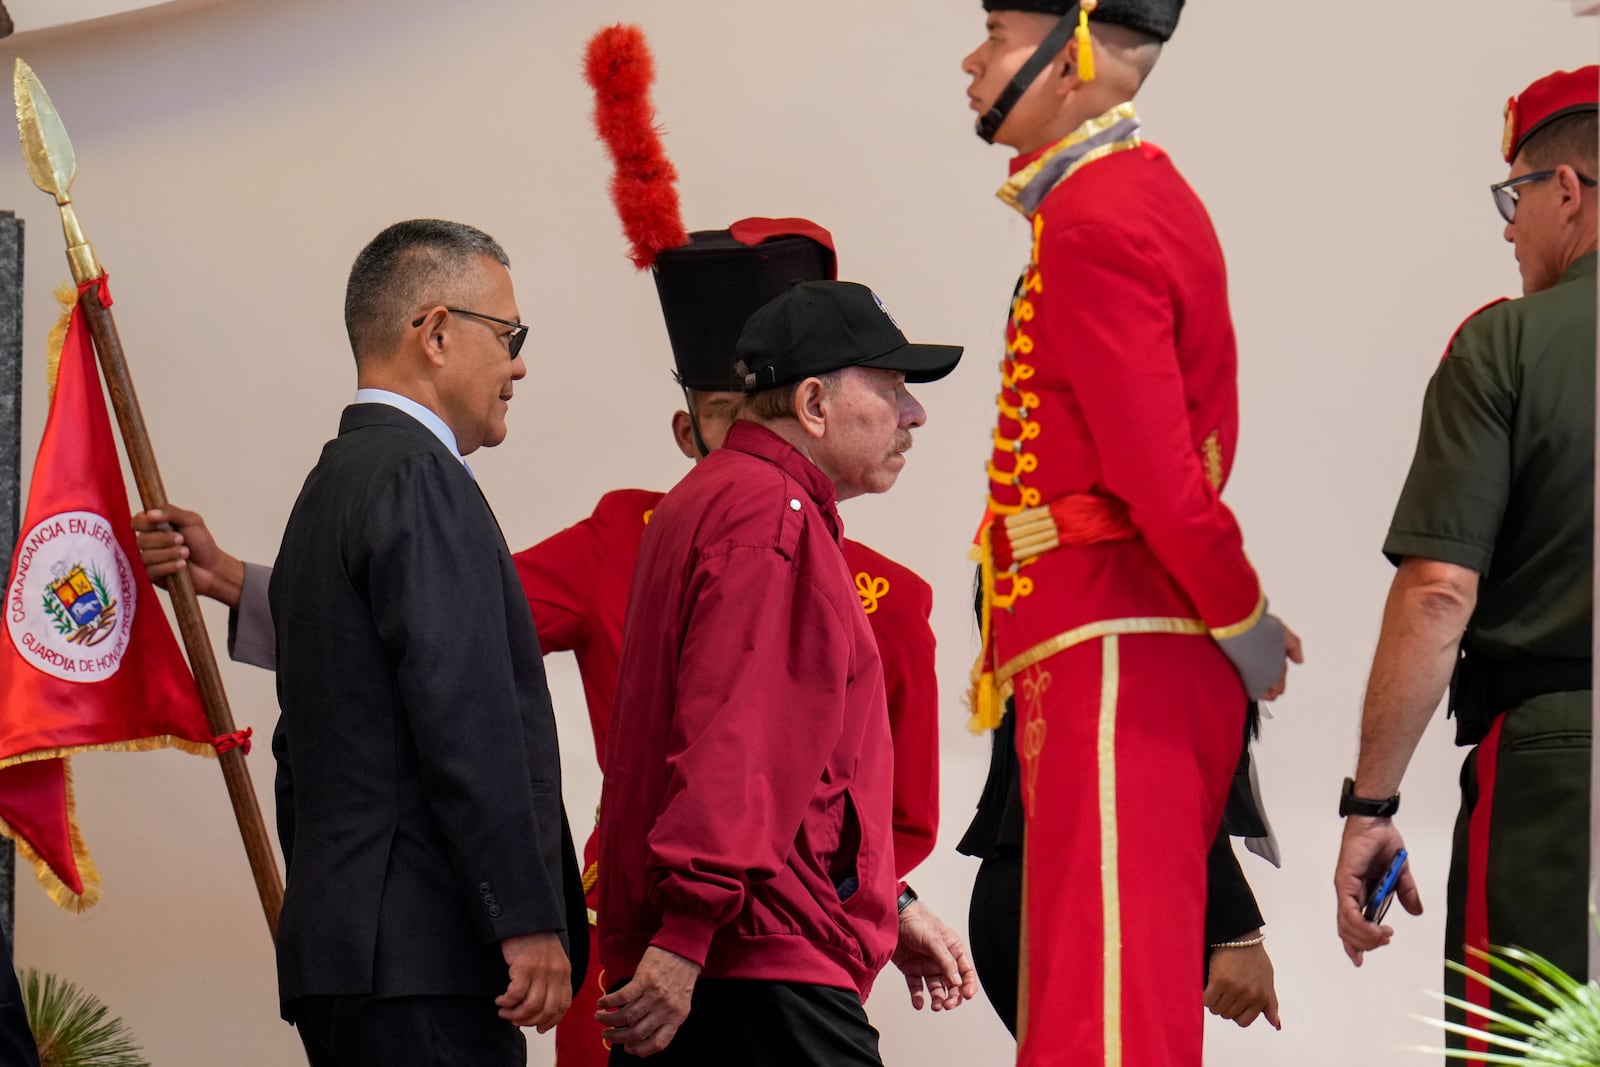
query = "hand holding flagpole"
x=53 y=166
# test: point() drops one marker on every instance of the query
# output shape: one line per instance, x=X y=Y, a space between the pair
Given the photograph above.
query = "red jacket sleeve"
x=558 y=575
x=760 y=687
x=906 y=646
x=1116 y=329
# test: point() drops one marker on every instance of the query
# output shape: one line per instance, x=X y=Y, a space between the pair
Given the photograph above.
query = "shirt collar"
x=1035 y=174
x=758 y=441
x=426 y=416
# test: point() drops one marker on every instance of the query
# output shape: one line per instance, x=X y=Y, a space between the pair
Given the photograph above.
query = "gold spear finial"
x=52 y=164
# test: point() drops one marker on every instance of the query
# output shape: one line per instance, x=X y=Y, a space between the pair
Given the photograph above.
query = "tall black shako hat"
x=709 y=281
x=712 y=285
x=1158 y=18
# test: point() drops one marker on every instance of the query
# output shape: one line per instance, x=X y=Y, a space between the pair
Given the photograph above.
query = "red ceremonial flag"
x=88 y=662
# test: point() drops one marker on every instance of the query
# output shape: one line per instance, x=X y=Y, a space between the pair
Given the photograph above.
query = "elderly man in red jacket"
x=750 y=892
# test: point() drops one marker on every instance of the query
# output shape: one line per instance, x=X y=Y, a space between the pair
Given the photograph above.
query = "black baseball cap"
x=816 y=328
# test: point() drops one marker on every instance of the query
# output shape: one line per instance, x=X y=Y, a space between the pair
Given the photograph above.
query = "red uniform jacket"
x=747 y=794
x=1118 y=381
x=577 y=585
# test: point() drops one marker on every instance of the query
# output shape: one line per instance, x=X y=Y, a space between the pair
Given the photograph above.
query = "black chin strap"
x=1054 y=42
x=694 y=421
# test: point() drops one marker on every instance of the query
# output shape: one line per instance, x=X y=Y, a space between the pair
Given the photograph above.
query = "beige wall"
x=30 y=15
x=233 y=159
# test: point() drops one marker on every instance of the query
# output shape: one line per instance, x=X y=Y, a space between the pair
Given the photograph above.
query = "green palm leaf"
x=1532 y=1007
x=1564 y=1028
x=73 y=1028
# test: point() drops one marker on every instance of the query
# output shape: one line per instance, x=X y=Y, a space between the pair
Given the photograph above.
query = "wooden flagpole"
x=53 y=166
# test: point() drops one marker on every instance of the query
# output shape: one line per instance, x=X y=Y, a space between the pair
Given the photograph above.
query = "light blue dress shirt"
x=433 y=422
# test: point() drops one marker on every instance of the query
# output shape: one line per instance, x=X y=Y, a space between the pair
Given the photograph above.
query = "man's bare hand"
x=541 y=981
x=1294 y=652
x=1239 y=985
x=933 y=960
x=1365 y=852
x=644 y=1015
x=172 y=539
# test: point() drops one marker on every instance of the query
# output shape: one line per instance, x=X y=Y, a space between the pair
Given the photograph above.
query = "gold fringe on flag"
x=67 y=297
x=204 y=749
x=58 y=890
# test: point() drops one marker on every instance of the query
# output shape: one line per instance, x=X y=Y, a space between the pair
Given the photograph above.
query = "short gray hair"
x=770 y=405
x=408 y=265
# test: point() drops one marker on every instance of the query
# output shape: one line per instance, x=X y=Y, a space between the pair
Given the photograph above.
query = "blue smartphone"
x=1383 y=892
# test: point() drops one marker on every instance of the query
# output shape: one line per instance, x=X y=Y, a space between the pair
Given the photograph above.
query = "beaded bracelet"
x=1249 y=942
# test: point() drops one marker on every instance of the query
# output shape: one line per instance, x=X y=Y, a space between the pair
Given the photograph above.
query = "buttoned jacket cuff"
x=685 y=935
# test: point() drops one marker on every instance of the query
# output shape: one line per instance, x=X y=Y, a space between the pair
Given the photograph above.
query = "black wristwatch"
x=1350 y=804
x=907 y=895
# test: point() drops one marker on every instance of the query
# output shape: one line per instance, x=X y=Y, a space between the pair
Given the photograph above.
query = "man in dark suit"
x=431 y=878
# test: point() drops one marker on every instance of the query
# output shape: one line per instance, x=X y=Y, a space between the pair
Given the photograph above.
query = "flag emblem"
x=77 y=595
x=72 y=598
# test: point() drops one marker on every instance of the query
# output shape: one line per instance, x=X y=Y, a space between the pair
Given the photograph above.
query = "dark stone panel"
x=11 y=349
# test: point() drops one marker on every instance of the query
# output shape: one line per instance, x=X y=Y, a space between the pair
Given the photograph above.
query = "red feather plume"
x=620 y=69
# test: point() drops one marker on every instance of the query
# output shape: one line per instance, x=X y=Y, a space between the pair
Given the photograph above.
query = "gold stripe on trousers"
x=1110 y=890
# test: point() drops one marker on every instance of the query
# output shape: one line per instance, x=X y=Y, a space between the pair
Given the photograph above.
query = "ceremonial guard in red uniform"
x=709 y=283
x=1120 y=609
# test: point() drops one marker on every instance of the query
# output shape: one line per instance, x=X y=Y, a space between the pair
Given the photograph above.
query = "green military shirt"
x=1503 y=477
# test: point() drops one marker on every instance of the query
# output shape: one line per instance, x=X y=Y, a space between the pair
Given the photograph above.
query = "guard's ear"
x=1068 y=79
x=683 y=434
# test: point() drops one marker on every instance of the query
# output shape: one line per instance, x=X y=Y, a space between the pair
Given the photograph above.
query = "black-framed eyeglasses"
x=1506 y=196
x=519 y=331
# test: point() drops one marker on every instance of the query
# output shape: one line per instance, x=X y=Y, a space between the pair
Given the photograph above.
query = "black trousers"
x=16 y=1039
x=413 y=1031
x=994 y=929
x=745 y=1023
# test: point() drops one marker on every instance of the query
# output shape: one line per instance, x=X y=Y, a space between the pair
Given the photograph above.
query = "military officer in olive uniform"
x=1494 y=540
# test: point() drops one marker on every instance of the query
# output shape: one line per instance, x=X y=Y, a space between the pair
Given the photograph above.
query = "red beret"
x=1563 y=93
